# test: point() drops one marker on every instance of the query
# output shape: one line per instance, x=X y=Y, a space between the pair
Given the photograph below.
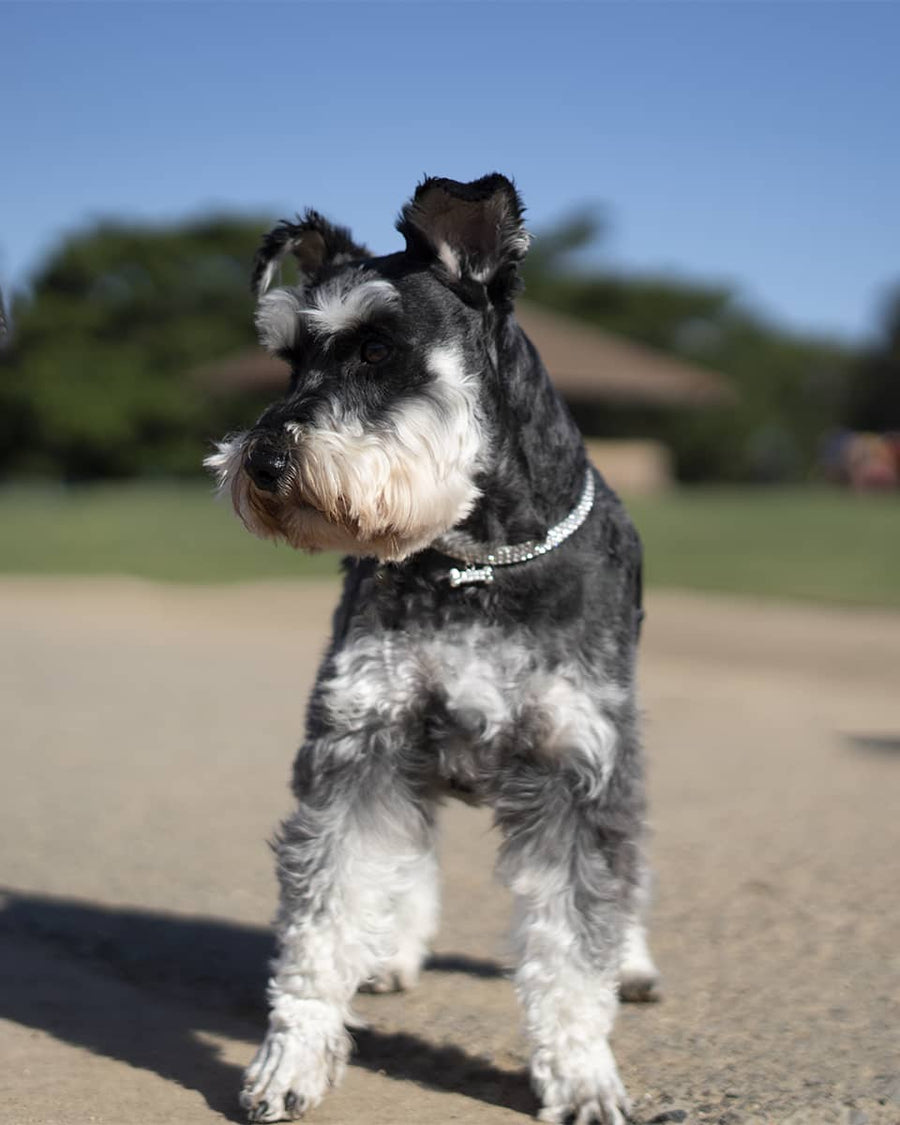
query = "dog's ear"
x=312 y=240
x=473 y=230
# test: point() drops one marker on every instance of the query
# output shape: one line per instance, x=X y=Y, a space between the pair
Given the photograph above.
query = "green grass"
x=807 y=543
x=175 y=532
x=785 y=543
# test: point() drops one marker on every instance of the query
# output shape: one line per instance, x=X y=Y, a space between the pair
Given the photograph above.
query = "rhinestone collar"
x=480 y=558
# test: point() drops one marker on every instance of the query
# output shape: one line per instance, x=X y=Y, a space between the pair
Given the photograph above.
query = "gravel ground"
x=147 y=733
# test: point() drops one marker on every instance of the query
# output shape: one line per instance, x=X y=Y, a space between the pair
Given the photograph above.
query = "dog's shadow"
x=144 y=987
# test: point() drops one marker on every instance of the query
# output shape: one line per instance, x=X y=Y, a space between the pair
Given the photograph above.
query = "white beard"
x=387 y=492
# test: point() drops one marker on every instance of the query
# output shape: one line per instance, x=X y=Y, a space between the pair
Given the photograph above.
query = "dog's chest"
x=459 y=702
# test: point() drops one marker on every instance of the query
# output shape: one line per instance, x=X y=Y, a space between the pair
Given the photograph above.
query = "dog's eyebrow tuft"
x=281 y=316
x=277 y=320
x=337 y=309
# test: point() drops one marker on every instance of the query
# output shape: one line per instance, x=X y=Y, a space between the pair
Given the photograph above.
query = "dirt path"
x=146 y=734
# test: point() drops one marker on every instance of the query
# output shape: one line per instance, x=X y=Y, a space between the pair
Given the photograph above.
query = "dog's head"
x=377 y=447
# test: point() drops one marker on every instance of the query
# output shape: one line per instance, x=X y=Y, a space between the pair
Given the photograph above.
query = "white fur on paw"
x=638 y=976
x=639 y=986
x=291 y=1073
x=586 y=1090
x=393 y=978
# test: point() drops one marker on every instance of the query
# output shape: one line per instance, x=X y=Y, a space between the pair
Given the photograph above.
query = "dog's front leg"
x=568 y=932
x=345 y=859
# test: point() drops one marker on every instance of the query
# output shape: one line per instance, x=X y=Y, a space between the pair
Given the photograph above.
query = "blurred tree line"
x=95 y=380
x=792 y=388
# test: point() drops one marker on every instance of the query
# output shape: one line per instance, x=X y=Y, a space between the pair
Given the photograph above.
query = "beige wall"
x=633 y=467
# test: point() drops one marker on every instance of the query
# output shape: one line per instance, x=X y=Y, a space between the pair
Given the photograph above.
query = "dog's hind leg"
x=346 y=858
x=638 y=975
x=415 y=919
x=561 y=864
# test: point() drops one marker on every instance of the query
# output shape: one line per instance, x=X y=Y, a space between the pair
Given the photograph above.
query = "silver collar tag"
x=471 y=574
x=480 y=558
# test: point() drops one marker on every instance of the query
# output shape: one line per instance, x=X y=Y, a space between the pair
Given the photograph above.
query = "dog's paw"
x=639 y=987
x=292 y=1072
x=389 y=981
x=582 y=1092
x=401 y=973
x=395 y=977
x=638 y=976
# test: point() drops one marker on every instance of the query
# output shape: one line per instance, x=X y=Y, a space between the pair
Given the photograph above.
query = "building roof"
x=585 y=363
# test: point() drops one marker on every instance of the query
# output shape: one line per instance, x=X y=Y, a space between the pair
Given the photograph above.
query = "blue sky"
x=752 y=143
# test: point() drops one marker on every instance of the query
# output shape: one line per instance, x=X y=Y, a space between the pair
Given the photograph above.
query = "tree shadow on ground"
x=143 y=987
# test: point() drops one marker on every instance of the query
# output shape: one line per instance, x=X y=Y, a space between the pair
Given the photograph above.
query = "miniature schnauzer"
x=483 y=648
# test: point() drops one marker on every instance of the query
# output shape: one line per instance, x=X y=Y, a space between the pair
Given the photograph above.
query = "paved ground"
x=146 y=734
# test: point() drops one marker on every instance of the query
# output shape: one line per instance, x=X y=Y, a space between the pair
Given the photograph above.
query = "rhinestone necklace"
x=480 y=558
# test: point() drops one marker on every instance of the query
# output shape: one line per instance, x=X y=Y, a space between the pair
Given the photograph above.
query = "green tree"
x=873 y=400
x=94 y=382
x=790 y=387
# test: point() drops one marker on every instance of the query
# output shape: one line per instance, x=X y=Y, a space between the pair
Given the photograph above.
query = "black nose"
x=264 y=464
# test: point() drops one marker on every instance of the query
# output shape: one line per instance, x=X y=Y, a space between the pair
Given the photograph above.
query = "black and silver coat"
x=417 y=405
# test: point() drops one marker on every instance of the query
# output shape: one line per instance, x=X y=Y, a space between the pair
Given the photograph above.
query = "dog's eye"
x=374 y=352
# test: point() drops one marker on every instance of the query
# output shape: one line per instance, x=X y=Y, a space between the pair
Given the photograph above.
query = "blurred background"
x=715 y=281
x=714 y=286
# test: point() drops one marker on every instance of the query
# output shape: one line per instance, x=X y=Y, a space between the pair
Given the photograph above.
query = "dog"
x=483 y=648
